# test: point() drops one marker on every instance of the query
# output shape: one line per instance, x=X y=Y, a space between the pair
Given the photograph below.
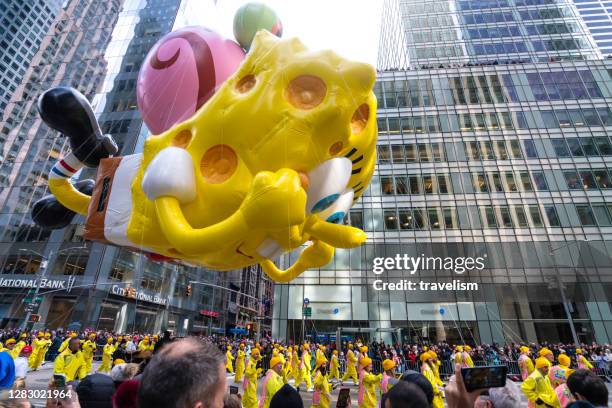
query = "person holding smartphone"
x=537 y=387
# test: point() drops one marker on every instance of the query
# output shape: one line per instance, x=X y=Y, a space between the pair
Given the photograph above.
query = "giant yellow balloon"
x=273 y=160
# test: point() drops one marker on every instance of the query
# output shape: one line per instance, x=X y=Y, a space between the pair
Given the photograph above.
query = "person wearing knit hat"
x=7 y=370
x=251 y=373
x=427 y=371
x=240 y=358
x=388 y=375
x=229 y=359
x=525 y=363
x=107 y=356
x=322 y=388
x=581 y=360
x=548 y=355
x=21 y=367
x=351 y=361
x=89 y=349
x=334 y=366
x=366 y=397
x=537 y=387
x=272 y=382
x=305 y=369
x=558 y=373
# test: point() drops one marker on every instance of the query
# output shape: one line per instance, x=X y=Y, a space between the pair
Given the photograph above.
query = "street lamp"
x=568 y=313
x=44 y=270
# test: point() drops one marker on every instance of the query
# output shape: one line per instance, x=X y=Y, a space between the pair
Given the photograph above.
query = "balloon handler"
x=275 y=158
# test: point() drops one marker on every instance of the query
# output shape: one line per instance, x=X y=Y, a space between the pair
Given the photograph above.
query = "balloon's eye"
x=326 y=182
x=324 y=203
x=338 y=210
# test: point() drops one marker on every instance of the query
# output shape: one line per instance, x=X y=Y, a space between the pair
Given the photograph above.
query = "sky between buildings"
x=349 y=27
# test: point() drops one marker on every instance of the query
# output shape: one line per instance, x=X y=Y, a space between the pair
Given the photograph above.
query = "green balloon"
x=253 y=17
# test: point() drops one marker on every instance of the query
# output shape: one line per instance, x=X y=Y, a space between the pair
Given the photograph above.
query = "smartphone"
x=344 y=398
x=484 y=377
x=233 y=389
x=59 y=381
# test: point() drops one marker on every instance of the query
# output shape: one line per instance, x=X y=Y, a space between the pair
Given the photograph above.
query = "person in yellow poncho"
x=10 y=348
x=295 y=363
x=272 y=382
x=388 y=376
x=467 y=356
x=334 y=367
x=458 y=356
x=322 y=387
x=366 y=397
x=305 y=373
x=229 y=358
x=107 y=356
x=249 y=398
x=88 y=350
x=154 y=341
x=351 y=361
x=289 y=363
x=427 y=371
x=581 y=360
x=537 y=387
x=240 y=357
x=70 y=362
x=21 y=343
x=64 y=345
x=320 y=352
x=525 y=363
x=37 y=345
x=145 y=344
x=436 y=367
x=548 y=355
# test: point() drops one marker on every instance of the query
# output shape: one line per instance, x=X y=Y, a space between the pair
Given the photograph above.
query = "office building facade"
x=597 y=16
x=96 y=47
x=493 y=181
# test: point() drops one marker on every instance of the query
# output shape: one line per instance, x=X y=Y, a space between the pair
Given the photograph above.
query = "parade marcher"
x=427 y=371
x=467 y=358
x=240 y=357
x=88 y=350
x=388 y=377
x=459 y=357
x=305 y=373
x=322 y=388
x=37 y=345
x=249 y=399
x=289 y=363
x=366 y=397
x=10 y=348
x=154 y=342
x=272 y=382
x=21 y=343
x=558 y=374
x=334 y=367
x=295 y=364
x=64 y=345
x=144 y=344
x=548 y=355
x=21 y=367
x=436 y=367
x=581 y=360
x=525 y=363
x=107 y=356
x=229 y=358
x=70 y=362
x=351 y=361
x=537 y=387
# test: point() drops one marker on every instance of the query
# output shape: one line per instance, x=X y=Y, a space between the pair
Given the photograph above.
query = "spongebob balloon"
x=272 y=161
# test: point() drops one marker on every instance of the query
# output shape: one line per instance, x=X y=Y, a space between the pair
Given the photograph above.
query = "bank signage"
x=140 y=295
x=42 y=283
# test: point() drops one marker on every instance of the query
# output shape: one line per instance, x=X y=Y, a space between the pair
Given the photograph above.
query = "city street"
x=40 y=379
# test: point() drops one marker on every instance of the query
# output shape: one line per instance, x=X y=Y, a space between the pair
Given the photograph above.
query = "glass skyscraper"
x=597 y=15
x=494 y=145
x=96 y=47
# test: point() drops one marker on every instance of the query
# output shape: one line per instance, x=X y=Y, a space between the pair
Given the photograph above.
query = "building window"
x=585 y=215
x=551 y=214
x=390 y=220
x=536 y=217
x=540 y=181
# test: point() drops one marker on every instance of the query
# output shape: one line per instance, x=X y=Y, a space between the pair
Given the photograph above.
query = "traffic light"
x=35 y=318
x=188 y=290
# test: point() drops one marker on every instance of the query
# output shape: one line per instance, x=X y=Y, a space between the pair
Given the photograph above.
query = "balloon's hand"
x=275 y=200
